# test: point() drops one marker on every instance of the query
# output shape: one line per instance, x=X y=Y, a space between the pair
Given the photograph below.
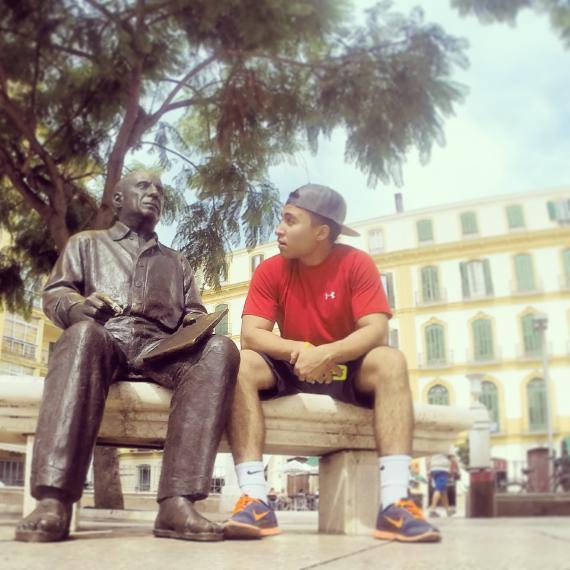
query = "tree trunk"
x=106 y=480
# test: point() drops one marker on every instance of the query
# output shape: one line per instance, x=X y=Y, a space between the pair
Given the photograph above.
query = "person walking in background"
x=441 y=467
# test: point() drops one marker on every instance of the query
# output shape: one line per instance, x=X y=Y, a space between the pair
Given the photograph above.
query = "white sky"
x=510 y=135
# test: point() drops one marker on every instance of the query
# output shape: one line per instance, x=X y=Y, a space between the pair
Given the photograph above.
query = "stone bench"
x=136 y=415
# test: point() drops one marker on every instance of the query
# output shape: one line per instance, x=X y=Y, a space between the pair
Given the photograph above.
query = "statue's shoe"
x=177 y=518
x=48 y=522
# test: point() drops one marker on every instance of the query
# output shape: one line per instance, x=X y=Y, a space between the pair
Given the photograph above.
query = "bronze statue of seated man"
x=117 y=293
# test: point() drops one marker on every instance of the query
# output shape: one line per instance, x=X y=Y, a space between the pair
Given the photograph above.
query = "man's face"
x=140 y=200
x=296 y=235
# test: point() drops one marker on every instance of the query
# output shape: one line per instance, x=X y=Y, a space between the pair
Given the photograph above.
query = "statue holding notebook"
x=124 y=300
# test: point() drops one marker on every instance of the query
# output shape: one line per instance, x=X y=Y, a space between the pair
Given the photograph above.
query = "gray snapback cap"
x=323 y=201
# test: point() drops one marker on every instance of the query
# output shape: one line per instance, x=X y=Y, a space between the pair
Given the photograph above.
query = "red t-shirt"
x=321 y=303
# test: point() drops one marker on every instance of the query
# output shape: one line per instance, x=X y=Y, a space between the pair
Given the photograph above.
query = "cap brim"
x=346 y=231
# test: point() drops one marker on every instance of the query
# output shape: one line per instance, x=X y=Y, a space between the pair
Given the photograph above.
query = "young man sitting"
x=332 y=312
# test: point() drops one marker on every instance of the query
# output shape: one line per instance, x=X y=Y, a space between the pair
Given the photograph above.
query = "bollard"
x=482 y=476
x=482 y=493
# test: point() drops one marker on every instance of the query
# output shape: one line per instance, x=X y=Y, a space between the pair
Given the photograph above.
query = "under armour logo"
x=330 y=295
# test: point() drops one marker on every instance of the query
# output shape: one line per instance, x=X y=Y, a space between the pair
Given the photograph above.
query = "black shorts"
x=288 y=384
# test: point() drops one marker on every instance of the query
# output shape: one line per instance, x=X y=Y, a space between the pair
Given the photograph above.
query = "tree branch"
x=179 y=155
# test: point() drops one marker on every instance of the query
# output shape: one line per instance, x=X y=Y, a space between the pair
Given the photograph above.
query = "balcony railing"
x=440 y=362
x=521 y=289
x=19 y=347
x=532 y=353
x=439 y=296
x=472 y=358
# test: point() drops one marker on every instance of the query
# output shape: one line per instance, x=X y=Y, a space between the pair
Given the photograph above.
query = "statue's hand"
x=191 y=318
x=97 y=307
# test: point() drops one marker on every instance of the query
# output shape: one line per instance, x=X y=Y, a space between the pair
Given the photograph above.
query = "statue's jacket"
x=153 y=283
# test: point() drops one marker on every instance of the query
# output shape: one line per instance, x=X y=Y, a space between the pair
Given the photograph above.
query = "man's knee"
x=386 y=366
x=225 y=348
x=254 y=373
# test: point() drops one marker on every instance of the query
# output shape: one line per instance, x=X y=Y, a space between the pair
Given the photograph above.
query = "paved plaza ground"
x=478 y=544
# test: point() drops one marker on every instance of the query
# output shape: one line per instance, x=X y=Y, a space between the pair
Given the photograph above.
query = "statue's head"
x=138 y=199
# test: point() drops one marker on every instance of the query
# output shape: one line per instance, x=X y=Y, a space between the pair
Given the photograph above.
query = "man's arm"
x=315 y=363
x=257 y=334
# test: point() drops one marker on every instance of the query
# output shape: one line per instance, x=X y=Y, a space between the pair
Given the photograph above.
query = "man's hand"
x=97 y=307
x=314 y=364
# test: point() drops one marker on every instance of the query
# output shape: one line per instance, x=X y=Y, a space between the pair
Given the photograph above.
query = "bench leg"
x=348 y=492
x=29 y=503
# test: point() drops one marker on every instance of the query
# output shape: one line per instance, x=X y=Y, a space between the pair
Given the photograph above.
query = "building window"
x=394 y=338
x=223 y=326
x=12 y=472
x=566 y=263
x=217 y=481
x=531 y=337
x=430 y=285
x=469 y=224
x=559 y=211
x=438 y=395
x=483 y=347
x=490 y=399
x=143 y=478
x=524 y=273
x=375 y=241
x=515 y=217
x=536 y=397
x=388 y=284
x=435 y=344
x=255 y=261
x=20 y=336
x=425 y=231
x=476 y=278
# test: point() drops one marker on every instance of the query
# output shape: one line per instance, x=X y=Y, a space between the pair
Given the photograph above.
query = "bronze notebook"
x=186 y=337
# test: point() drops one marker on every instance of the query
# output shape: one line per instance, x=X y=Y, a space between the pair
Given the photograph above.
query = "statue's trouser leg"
x=84 y=364
x=203 y=385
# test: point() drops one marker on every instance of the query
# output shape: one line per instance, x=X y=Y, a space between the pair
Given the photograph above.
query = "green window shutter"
x=469 y=223
x=531 y=337
x=483 y=340
x=515 y=216
x=464 y=279
x=551 y=206
x=430 y=285
x=425 y=230
x=524 y=272
x=488 y=279
x=490 y=399
x=222 y=327
x=435 y=344
x=388 y=285
x=438 y=395
x=536 y=397
x=566 y=262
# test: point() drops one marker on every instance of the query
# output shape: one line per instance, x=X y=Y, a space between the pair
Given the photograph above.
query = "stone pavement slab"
x=468 y=544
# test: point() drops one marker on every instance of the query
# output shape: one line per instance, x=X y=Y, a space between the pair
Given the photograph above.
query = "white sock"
x=394 y=478
x=251 y=479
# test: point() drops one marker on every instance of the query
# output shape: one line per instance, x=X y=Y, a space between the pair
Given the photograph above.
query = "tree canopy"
x=220 y=91
x=507 y=11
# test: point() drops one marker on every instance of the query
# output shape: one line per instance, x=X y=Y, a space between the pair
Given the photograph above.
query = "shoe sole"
x=40 y=536
x=196 y=536
x=244 y=531
x=425 y=537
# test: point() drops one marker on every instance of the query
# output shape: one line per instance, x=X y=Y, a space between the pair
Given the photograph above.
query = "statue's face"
x=140 y=199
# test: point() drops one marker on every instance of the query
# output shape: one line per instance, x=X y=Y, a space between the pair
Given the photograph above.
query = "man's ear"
x=117 y=200
x=323 y=232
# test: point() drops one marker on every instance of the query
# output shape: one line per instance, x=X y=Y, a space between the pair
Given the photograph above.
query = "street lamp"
x=540 y=324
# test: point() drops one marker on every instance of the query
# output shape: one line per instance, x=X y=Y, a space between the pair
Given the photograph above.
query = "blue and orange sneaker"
x=405 y=522
x=251 y=518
